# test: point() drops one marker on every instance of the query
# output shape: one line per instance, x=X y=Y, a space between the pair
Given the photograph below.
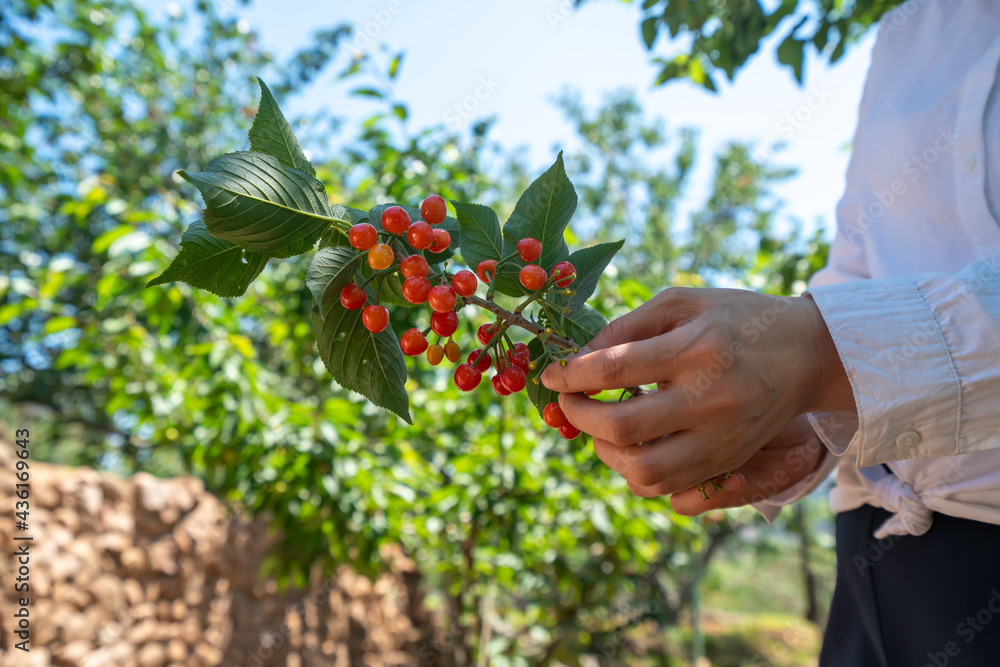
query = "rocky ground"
x=150 y=572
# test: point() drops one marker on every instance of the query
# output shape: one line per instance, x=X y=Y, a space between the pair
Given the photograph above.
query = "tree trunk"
x=800 y=525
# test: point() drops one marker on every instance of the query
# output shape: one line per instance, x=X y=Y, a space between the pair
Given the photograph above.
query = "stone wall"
x=150 y=572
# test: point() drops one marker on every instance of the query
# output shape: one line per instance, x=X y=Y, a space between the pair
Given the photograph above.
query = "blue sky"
x=520 y=53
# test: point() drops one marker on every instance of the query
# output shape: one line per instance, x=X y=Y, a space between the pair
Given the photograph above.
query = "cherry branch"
x=516 y=319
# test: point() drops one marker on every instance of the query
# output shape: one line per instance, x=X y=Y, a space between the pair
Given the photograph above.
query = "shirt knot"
x=910 y=515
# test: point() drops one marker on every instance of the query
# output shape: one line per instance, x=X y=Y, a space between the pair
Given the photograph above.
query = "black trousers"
x=914 y=601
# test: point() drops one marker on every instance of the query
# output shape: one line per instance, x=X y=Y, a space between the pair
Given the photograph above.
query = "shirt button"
x=970 y=162
x=907 y=439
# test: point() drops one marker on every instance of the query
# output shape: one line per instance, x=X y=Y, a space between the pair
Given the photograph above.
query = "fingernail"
x=732 y=484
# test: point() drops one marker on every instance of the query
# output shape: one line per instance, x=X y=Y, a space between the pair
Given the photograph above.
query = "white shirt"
x=911 y=293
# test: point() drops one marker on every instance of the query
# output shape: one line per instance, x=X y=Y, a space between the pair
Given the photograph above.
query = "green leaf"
x=335 y=236
x=538 y=394
x=542 y=212
x=221 y=267
x=367 y=92
x=272 y=134
x=60 y=323
x=330 y=270
x=481 y=235
x=390 y=289
x=579 y=327
x=590 y=264
x=254 y=201
x=790 y=52
x=649 y=31
x=359 y=360
x=394 y=65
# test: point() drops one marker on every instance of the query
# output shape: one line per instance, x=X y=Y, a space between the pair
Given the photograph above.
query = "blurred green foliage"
x=711 y=37
x=100 y=105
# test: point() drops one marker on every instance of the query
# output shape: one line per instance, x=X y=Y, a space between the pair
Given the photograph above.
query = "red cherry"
x=420 y=235
x=442 y=239
x=464 y=283
x=442 y=298
x=522 y=348
x=532 y=277
x=433 y=209
x=352 y=297
x=467 y=377
x=486 y=270
x=435 y=353
x=567 y=273
x=412 y=342
x=380 y=257
x=520 y=359
x=375 y=318
x=553 y=415
x=513 y=378
x=363 y=236
x=481 y=359
x=395 y=220
x=485 y=333
x=416 y=289
x=529 y=249
x=444 y=324
x=451 y=350
x=568 y=431
x=498 y=386
x=414 y=265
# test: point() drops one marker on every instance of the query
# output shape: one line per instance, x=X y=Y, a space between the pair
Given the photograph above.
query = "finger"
x=662 y=313
x=625 y=365
x=677 y=461
x=767 y=473
x=692 y=501
x=641 y=465
x=646 y=491
x=638 y=419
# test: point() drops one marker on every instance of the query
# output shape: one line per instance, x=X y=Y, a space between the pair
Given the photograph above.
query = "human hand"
x=791 y=456
x=732 y=368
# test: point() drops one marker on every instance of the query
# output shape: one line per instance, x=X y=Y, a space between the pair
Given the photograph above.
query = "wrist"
x=831 y=385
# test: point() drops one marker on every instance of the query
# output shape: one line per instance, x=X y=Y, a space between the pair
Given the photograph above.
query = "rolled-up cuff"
x=887 y=338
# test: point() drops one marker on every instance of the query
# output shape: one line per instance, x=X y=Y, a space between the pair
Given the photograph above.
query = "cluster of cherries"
x=553 y=415
x=513 y=363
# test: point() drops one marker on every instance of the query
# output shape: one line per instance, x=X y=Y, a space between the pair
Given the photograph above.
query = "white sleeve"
x=848 y=261
x=923 y=357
